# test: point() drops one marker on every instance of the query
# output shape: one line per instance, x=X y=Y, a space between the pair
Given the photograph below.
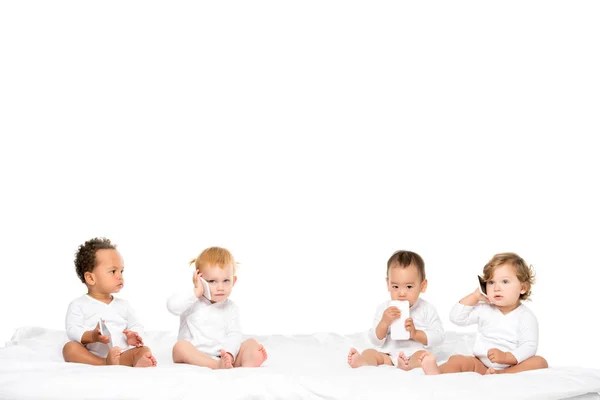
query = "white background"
x=312 y=140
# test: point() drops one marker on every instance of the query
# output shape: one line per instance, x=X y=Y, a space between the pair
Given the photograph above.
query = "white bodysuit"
x=210 y=327
x=425 y=318
x=515 y=332
x=85 y=312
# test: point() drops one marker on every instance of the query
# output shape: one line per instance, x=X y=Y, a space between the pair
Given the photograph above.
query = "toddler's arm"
x=465 y=312
x=434 y=330
x=179 y=302
x=76 y=330
x=133 y=324
x=74 y=323
x=474 y=298
x=528 y=339
x=381 y=324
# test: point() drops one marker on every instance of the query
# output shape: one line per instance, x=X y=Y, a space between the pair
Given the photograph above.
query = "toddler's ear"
x=424 y=286
x=89 y=278
x=524 y=287
x=234 y=280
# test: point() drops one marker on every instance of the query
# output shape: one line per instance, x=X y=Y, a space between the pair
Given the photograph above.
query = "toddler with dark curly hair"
x=102 y=329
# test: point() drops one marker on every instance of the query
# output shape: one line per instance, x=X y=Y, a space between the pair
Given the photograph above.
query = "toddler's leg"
x=187 y=353
x=535 y=362
x=456 y=363
x=138 y=357
x=459 y=363
x=368 y=357
x=374 y=357
x=77 y=353
x=252 y=354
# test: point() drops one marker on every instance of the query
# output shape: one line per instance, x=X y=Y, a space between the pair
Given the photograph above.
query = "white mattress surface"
x=298 y=367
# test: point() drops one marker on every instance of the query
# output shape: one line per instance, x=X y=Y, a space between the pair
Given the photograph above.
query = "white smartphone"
x=105 y=332
x=206 y=288
x=398 y=330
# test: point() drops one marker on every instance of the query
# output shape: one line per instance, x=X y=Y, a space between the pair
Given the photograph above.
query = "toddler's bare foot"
x=402 y=361
x=114 y=356
x=147 y=360
x=226 y=361
x=255 y=359
x=355 y=360
x=491 y=371
x=429 y=364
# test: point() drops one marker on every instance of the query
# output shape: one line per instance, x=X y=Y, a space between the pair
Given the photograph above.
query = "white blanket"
x=299 y=367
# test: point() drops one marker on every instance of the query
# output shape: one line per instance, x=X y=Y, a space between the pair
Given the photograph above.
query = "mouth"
x=498 y=297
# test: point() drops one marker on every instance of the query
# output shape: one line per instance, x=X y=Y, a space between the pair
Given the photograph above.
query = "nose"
x=496 y=288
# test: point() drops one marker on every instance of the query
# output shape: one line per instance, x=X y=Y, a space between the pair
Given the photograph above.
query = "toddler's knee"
x=418 y=354
x=69 y=349
x=180 y=343
x=144 y=349
x=540 y=362
x=456 y=358
x=370 y=352
x=179 y=350
x=250 y=342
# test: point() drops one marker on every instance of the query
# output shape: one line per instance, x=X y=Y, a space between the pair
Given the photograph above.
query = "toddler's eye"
x=409 y=287
x=505 y=281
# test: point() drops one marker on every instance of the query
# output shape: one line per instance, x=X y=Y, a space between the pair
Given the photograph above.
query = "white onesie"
x=85 y=312
x=515 y=332
x=425 y=318
x=210 y=327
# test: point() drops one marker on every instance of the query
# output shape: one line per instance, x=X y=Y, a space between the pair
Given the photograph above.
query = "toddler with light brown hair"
x=507 y=337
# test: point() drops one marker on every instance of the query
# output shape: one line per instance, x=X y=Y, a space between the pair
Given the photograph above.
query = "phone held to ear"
x=482 y=286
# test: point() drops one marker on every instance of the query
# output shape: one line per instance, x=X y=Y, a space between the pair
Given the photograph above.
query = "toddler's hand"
x=496 y=356
x=480 y=296
x=198 y=286
x=133 y=339
x=98 y=337
x=390 y=315
x=410 y=327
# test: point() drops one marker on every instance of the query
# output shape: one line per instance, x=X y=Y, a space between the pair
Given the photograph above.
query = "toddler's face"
x=405 y=283
x=108 y=272
x=220 y=281
x=505 y=289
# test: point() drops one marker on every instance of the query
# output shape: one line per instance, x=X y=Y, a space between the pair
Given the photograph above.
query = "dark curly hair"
x=85 y=257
